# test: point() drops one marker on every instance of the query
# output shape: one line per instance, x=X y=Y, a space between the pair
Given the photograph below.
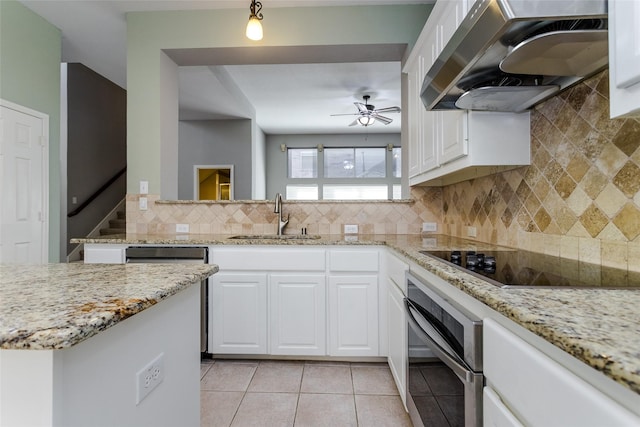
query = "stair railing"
x=95 y=195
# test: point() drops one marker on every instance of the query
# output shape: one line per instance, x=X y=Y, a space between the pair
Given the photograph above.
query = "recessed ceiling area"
x=289 y=97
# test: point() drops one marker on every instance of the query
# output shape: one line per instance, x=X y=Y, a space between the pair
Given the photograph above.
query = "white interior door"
x=24 y=184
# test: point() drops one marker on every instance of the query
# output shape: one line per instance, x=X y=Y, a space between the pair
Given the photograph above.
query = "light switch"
x=142 y=203
x=144 y=187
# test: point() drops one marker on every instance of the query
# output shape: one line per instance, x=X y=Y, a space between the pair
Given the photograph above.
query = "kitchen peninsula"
x=593 y=333
x=73 y=338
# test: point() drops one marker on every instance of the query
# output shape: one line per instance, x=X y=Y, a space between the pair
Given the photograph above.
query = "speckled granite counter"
x=55 y=306
x=597 y=326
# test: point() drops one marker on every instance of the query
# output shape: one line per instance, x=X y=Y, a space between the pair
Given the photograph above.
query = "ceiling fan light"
x=254 y=29
x=366 y=120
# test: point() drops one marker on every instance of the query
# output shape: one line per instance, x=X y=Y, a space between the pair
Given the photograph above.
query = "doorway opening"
x=213 y=182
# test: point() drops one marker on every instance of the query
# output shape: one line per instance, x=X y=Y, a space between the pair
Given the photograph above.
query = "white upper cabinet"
x=624 y=57
x=450 y=146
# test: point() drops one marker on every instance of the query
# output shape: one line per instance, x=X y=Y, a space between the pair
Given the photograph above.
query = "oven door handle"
x=438 y=343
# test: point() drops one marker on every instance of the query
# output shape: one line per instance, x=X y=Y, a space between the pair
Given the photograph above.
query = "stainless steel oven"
x=445 y=359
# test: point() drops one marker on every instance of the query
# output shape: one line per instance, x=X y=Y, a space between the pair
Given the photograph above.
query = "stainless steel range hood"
x=508 y=55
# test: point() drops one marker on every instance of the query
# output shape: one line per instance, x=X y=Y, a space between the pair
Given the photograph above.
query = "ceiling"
x=287 y=97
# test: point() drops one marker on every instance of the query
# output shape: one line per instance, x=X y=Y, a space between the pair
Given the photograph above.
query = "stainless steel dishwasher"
x=178 y=255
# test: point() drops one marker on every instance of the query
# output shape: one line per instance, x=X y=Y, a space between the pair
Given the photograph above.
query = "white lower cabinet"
x=274 y=300
x=298 y=314
x=353 y=315
x=238 y=313
x=397 y=338
x=527 y=387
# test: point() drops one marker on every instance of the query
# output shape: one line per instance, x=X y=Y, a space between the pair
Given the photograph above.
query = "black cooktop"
x=513 y=269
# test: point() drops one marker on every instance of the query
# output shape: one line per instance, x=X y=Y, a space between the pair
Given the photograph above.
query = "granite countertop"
x=600 y=327
x=55 y=306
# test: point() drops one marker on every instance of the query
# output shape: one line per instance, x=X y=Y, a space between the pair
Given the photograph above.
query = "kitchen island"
x=598 y=327
x=73 y=338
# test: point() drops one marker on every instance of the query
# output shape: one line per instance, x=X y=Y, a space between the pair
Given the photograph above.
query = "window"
x=344 y=173
x=303 y=162
x=354 y=163
x=302 y=192
x=355 y=192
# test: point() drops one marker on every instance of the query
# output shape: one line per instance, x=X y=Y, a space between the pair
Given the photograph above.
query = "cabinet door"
x=397 y=330
x=353 y=315
x=624 y=57
x=238 y=313
x=297 y=313
x=454 y=141
x=414 y=130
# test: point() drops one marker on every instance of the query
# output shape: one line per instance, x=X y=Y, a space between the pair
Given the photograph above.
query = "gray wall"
x=96 y=146
x=215 y=142
x=277 y=160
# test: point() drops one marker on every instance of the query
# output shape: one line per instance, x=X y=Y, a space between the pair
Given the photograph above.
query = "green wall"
x=150 y=32
x=30 y=55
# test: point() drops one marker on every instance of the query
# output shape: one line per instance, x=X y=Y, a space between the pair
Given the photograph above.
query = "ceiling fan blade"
x=348 y=114
x=388 y=110
x=353 y=123
x=361 y=107
x=382 y=119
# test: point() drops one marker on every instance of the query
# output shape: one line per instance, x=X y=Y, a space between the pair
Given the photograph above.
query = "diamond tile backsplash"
x=579 y=197
x=249 y=217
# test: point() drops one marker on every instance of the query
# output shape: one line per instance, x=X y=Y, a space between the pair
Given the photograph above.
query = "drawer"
x=269 y=258
x=541 y=392
x=396 y=269
x=354 y=260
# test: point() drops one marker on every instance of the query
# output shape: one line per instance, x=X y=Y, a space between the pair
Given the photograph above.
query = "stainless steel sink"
x=276 y=237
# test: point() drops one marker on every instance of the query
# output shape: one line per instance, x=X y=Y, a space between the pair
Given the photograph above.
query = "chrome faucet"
x=278 y=209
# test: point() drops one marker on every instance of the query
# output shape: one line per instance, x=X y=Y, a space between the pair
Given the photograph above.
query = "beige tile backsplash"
x=579 y=198
x=258 y=217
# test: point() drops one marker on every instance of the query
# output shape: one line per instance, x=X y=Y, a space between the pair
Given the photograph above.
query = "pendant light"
x=254 y=27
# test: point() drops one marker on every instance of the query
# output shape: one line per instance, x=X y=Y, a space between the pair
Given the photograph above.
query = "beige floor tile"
x=381 y=411
x=228 y=376
x=204 y=368
x=318 y=410
x=327 y=379
x=373 y=380
x=280 y=377
x=266 y=409
x=217 y=408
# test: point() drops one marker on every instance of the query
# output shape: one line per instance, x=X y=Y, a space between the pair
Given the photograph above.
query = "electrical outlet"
x=144 y=187
x=182 y=228
x=142 y=201
x=429 y=226
x=149 y=378
x=472 y=232
x=350 y=229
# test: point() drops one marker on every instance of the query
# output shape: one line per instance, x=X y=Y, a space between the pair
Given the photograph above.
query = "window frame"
x=389 y=180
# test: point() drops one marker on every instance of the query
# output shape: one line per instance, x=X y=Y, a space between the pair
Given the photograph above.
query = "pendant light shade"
x=254 y=27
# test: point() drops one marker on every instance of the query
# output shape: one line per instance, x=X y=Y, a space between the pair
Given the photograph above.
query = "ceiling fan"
x=368 y=114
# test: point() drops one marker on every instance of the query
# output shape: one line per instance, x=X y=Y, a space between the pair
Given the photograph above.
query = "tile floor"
x=298 y=393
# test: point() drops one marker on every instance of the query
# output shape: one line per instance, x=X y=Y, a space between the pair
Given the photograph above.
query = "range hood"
x=508 y=55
